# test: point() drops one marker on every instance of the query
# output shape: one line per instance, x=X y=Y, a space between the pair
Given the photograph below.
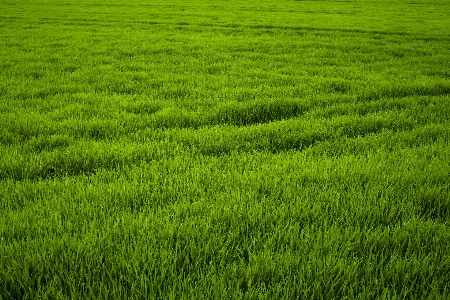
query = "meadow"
x=234 y=149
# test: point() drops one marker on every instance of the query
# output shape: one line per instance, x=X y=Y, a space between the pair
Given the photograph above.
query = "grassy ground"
x=225 y=149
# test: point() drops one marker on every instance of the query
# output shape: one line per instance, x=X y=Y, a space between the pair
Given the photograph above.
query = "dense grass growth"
x=225 y=149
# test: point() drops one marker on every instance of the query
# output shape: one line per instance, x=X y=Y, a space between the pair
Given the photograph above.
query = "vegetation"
x=225 y=149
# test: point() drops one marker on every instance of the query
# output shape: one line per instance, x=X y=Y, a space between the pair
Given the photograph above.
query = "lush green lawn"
x=225 y=149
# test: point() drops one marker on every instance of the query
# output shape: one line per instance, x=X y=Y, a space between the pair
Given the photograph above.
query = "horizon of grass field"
x=225 y=149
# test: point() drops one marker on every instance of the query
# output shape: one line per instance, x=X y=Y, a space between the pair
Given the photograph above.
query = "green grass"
x=225 y=149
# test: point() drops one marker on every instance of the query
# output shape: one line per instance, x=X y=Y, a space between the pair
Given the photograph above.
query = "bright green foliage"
x=225 y=149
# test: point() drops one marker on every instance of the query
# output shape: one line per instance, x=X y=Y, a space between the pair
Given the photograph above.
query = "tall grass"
x=240 y=149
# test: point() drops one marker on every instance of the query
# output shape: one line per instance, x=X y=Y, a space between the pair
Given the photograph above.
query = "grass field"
x=225 y=149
